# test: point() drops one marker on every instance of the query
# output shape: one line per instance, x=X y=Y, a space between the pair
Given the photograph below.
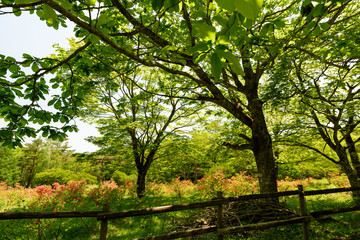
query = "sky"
x=28 y=34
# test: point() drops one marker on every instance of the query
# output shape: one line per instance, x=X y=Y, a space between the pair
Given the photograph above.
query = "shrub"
x=178 y=188
x=107 y=192
x=61 y=176
x=209 y=185
x=121 y=178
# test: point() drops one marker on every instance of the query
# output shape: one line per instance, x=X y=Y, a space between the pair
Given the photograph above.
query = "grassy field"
x=80 y=196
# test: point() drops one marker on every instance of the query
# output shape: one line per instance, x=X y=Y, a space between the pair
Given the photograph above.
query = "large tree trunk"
x=265 y=162
x=350 y=172
x=263 y=151
x=353 y=179
x=353 y=154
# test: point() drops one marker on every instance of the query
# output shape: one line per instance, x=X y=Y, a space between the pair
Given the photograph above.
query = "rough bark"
x=351 y=175
x=353 y=154
x=262 y=149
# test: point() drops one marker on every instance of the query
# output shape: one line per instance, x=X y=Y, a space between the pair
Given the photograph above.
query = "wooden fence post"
x=302 y=202
x=104 y=223
x=219 y=225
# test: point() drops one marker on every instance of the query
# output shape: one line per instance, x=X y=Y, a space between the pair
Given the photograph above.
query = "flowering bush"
x=77 y=195
x=154 y=189
x=209 y=185
x=289 y=184
x=338 y=180
x=106 y=193
x=242 y=184
x=179 y=188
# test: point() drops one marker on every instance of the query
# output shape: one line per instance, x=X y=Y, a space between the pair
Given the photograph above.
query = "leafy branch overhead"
x=221 y=51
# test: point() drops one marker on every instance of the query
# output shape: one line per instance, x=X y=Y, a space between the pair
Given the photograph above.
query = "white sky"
x=27 y=34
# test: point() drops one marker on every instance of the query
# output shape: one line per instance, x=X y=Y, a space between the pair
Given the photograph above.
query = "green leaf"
x=26 y=63
x=317 y=30
x=234 y=63
x=168 y=48
x=156 y=4
x=279 y=24
x=13 y=68
x=25 y=1
x=27 y=56
x=57 y=105
x=324 y=26
x=45 y=134
x=65 y=3
x=18 y=93
x=93 y=38
x=10 y=59
x=266 y=28
x=205 y=32
x=249 y=8
x=224 y=40
x=215 y=66
x=52 y=101
x=91 y=2
x=34 y=67
x=49 y=14
x=200 y=57
x=222 y=21
x=103 y=19
x=17 y=12
x=200 y=47
x=318 y=10
x=171 y=5
x=227 y=4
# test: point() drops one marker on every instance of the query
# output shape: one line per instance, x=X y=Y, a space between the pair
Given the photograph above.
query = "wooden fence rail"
x=106 y=214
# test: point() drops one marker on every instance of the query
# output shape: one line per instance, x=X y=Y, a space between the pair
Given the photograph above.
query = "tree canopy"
x=220 y=51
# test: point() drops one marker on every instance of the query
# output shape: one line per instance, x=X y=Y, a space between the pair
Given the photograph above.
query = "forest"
x=243 y=96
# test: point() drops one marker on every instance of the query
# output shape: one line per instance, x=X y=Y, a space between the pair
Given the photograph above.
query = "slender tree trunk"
x=141 y=179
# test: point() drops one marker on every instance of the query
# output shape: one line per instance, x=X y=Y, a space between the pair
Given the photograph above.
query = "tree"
x=327 y=89
x=334 y=115
x=9 y=165
x=199 y=153
x=288 y=128
x=132 y=117
x=31 y=159
x=220 y=49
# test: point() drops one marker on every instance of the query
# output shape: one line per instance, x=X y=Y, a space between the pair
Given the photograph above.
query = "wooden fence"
x=105 y=215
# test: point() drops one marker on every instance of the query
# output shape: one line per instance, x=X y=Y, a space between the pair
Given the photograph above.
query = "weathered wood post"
x=302 y=202
x=219 y=225
x=104 y=223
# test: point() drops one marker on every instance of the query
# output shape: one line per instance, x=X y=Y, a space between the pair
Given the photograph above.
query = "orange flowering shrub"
x=179 y=188
x=106 y=193
x=242 y=184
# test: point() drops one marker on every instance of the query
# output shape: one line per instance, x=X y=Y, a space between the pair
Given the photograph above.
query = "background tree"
x=132 y=117
x=325 y=83
x=333 y=111
x=31 y=160
x=9 y=165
